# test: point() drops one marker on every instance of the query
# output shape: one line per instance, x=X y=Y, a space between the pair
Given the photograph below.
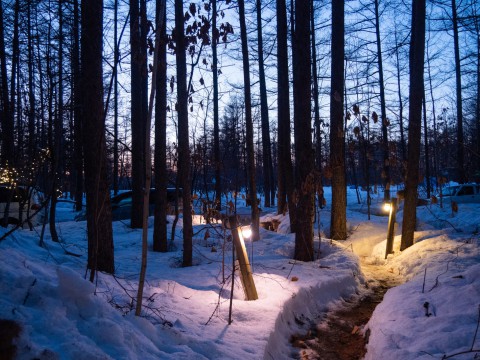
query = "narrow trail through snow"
x=340 y=334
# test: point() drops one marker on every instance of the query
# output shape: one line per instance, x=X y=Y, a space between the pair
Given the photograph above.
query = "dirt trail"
x=339 y=335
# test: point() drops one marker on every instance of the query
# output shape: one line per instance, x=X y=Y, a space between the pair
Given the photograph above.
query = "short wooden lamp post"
x=242 y=257
x=392 y=207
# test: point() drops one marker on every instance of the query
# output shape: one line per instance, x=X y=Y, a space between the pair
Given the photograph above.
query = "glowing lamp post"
x=391 y=207
x=238 y=235
x=246 y=232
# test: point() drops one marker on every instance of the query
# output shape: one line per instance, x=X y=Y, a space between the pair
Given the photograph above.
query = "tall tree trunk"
x=304 y=160
x=161 y=176
x=31 y=89
x=266 y=144
x=458 y=77
x=19 y=112
x=183 y=138
x=138 y=57
x=425 y=139
x=9 y=124
x=77 y=122
x=338 y=220
x=58 y=129
x=148 y=162
x=417 y=50
x=316 y=106
x=400 y=104
x=249 y=123
x=99 y=216
x=385 y=153
x=285 y=172
x=477 y=108
x=216 y=130
x=435 y=148
x=115 y=98
x=5 y=118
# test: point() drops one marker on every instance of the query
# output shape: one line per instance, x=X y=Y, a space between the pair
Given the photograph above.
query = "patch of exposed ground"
x=339 y=335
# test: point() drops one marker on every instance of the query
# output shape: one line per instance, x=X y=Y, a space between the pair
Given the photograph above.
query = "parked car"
x=122 y=205
x=24 y=203
x=462 y=193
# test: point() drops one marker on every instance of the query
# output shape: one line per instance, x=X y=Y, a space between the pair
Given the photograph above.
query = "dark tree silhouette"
x=252 y=188
x=161 y=175
x=338 y=221
x=183 y=138
x=99 y=216
x=304 y=160
x=417 y=49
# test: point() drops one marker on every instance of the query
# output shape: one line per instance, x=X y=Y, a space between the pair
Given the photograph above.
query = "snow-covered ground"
x=186 y=310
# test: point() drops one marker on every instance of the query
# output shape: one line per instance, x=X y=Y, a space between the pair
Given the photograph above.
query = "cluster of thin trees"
x=89 y=80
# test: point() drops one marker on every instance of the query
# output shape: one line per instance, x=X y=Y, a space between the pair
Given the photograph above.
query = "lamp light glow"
x=387 y=206
x=246 y=232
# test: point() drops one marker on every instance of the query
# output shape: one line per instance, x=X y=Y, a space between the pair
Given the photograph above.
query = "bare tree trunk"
x=31 y=89
x=10 y=99
x=417 y=49
x=138 y=57
x=216 y=131
x=338 y=220
x=477 y=108
x=400 y=105
x=316 y=107
x=7 y=126
x=99 y=216
x=160 y=241
x=249 y=123
x=386 y=159
x=304 y=160
x=58 y=129
x=77 y=122
x=285 y=171
x=266 y=144
x=183 y=138
x=435 y=149
x=115 y=98
x=425 y=138
x=148 y=171
x=14 y=76
x=458 y=77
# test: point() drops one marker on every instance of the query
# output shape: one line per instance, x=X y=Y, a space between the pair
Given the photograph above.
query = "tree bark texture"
x=386 y=158
x=183 y=136
x=417 y=49
x=316 y=106
x=138 y=112
x=304 y=159
x=216 y=129
x=252 y=191
x=5 y=118
x=458 y=78
x=266 y=144
x=285 y=168
x=161 y=176
x=99 y=216
x=338 y=220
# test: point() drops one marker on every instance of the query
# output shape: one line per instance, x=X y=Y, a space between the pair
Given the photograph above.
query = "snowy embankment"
x=435 y=314
x=64 y=316
x=186 y=310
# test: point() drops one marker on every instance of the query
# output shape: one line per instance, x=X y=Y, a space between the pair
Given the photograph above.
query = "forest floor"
x=339 y=335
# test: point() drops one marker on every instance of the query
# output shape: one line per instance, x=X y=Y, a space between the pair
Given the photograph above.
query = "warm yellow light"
x=246 y=232
x=387 y=206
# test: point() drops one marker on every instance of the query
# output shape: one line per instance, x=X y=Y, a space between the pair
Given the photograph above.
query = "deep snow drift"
x=186 y=310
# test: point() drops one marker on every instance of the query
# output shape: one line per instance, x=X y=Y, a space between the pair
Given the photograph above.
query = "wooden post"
x=391 y=226
x=242 y=257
